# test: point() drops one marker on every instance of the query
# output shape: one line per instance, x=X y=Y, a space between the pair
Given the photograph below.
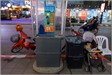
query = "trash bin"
x=74 y=51
x=74 y=62
x=48 y=51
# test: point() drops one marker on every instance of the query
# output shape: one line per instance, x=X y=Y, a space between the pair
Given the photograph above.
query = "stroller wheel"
x=101 y=68
x=90 y=69
x=86 y=69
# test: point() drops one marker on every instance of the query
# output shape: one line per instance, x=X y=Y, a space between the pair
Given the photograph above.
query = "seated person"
x=94 y=52
x=90 y=42
x=88 y=36
x=90 y=45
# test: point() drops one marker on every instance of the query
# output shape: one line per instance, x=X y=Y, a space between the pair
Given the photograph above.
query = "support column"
x=101 y=18
x=64 y=7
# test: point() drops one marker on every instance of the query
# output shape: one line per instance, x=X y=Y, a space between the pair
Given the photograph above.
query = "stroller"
x=93 y=59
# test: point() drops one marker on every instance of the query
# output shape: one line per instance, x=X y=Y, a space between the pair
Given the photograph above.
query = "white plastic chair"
x=100 y=40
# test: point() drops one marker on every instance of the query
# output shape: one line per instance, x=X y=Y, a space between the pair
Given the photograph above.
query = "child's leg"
x=94 y=55
x=85 y=56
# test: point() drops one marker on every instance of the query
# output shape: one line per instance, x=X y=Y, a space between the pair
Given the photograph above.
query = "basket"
x=15 y=38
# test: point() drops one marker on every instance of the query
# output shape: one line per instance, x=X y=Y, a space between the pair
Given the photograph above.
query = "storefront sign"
x=83 y=14
x=68 y=13
x=52 y=17
x=49 y=28
x=49 y=19
x=102 y=7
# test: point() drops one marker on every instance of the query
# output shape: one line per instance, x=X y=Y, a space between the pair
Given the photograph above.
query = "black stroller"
x=92 y=59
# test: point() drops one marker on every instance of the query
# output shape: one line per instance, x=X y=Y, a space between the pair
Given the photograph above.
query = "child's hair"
x=87 y=42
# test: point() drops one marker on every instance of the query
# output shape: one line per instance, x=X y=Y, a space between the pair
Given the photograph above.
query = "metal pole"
x=102 y=10
x=62 y=19
x=101 y=18
x=63 y=16
x=36 y=11
x=32 y=18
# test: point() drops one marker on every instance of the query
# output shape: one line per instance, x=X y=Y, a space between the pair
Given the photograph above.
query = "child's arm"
x=94 y=48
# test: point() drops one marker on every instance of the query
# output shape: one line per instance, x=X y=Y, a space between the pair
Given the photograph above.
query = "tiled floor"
x=24 y=66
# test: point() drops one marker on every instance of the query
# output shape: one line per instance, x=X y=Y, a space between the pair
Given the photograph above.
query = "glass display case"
x=48 y=16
